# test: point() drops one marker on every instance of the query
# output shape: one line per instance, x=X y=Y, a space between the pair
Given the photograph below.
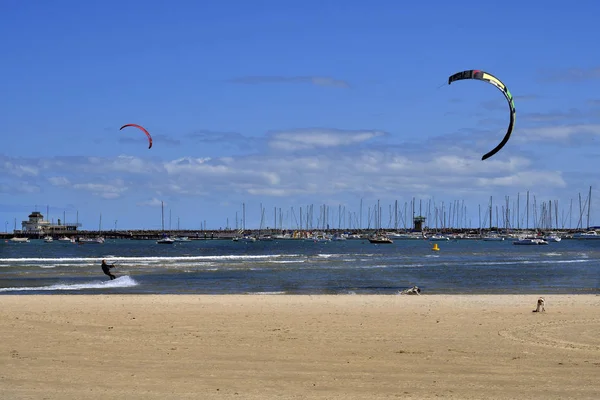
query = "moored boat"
x=439 y=238
x=530 y=241
x=97 y=240
x=20 y=240
x=586 y=235
x=380 y=239
x=165 y=240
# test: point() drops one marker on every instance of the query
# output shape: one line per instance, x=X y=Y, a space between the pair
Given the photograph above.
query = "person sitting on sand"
x=106 y=269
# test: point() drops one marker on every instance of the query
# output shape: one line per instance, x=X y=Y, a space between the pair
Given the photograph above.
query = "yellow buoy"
x=435 y=247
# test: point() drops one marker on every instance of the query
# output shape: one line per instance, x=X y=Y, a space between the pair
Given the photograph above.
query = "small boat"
x=339 y=238
x=319 y=238
x=65 y=239
x=586 y=235
x=98 y=240
x=530 y=241
x=380 y=240
x=265 y=238
x=182 y=239
x=48 y=239
x=354 y=236
x=20 y=240
x=404 y=236
x=285 y=236
x=493 y=237
x=165 y=240
x=552 y=238
x=438 y=238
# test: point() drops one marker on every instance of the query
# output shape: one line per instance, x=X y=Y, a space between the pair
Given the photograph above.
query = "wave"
x=137 y=259
x=120 y=282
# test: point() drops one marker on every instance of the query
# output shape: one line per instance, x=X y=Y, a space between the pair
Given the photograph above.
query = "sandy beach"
x=295 y=347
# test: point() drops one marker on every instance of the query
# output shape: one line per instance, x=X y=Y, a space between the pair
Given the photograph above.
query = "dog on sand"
x=541 y=303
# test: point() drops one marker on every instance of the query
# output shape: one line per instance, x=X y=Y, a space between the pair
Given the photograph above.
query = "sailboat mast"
x=589 y=208
x=162 y=215
x=490 y=212
x=527 y=212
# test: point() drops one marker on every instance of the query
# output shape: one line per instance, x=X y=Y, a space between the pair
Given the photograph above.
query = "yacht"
x=493 y=237
x=530 y=241
x=438 y=238
x=165 y=240
x=98 y=240
x=552 y=238
x=380 y=239
x=586 y=235
x=404 y=236
x=20 y=240
x=285 y=236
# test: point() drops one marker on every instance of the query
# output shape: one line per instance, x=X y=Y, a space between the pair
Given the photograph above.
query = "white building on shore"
x=37 y=224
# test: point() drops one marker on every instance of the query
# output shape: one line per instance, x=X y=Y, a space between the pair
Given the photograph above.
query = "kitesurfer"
x=106 y=269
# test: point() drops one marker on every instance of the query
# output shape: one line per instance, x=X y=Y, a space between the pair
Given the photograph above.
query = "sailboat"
x=96 y=240
x=165 y=239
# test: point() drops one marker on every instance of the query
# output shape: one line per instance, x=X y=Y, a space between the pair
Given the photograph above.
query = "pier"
x=230 y=234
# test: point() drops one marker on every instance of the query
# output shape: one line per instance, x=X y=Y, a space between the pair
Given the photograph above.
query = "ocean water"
x=300 y=267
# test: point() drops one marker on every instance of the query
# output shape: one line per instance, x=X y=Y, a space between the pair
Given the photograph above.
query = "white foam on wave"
x=328 y=255
x=519 y=261
x=120 y=282
x=554 y=262
x=148 y=259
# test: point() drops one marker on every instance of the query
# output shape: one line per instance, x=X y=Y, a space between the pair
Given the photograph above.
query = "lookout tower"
x=418 y=223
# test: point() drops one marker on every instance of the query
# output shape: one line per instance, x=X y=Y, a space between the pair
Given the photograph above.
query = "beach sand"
x=299 y=347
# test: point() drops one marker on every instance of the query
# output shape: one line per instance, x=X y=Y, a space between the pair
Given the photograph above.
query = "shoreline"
x=299 y=346
x=300 y=234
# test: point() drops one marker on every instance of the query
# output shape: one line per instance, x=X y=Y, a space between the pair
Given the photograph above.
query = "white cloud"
x=129 y=164
x=18 y=168
x=334 y=172
x=60 y=181
x=25 y=187
x=105 y=190
x=558 y=133
x=573 y=75
x=525 y=179
x=330 y=169
x=153 y=202
x=303 y=139
x=315 y=80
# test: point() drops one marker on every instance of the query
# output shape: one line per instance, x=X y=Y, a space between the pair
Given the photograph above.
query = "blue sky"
x=287 y=104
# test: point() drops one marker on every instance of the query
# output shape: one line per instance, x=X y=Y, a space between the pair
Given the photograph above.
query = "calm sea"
x=300 y=267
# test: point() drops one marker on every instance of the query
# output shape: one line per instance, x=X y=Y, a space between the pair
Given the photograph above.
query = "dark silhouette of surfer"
x=106 y=269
